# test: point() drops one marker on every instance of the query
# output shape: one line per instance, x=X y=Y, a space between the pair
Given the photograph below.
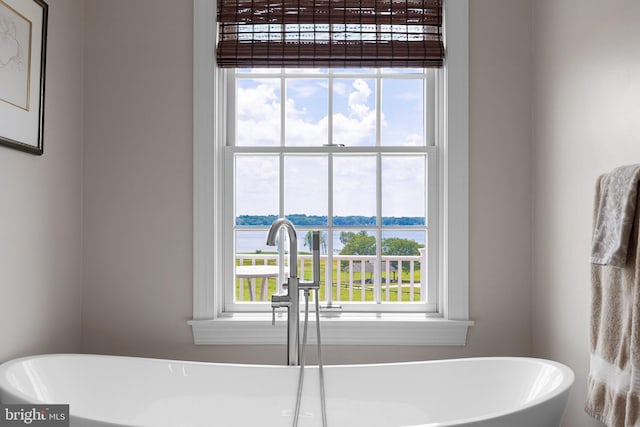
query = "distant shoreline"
x=302 y=220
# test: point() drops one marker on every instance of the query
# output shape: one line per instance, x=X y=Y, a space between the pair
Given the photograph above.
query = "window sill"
x=352 y=329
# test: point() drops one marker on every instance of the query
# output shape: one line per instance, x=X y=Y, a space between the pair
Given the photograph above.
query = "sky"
x=354 y=120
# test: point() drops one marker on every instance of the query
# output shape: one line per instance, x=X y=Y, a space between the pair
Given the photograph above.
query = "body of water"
x=249 y=241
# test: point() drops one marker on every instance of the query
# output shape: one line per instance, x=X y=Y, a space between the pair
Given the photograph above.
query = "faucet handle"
x=278 y=301
x=308 y=285
x=273 y=315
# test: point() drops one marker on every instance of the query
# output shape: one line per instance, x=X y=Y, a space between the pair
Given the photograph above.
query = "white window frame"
x=377 y=150
x=211 y=325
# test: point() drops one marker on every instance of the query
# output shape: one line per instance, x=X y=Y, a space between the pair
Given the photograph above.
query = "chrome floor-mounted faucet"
x=291 y=300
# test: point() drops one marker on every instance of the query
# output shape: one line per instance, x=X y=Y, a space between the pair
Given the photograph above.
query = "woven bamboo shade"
x=330 y=33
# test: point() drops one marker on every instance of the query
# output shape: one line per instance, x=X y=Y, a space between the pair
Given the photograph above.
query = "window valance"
x=330 y=33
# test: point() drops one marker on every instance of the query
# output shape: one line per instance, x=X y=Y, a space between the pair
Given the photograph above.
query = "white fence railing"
x=355 y=276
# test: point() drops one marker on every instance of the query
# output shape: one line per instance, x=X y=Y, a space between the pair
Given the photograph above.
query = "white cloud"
x=258 y=115
x=306 y=185
x=257 y=185
x=305 y=88
x=355 y=185
x=358 y=126
x=412 y=140
x=340 y=88
x=259 y=111
x=359 y=98
x=408 y=174
x=353 y=130
x=407 y=96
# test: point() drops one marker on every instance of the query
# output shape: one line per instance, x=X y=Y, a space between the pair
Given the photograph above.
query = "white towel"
x=614 y=216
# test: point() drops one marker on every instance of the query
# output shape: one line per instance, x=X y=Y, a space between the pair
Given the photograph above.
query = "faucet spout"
x=293 y=242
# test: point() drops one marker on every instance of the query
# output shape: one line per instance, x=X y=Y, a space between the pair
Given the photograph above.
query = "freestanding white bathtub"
x=124 y=391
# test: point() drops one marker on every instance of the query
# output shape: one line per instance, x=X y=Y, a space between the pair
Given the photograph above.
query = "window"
x=349 y=152
x=341 y=129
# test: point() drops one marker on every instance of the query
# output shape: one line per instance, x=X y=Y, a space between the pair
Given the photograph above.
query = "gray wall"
x=41 y=209
x=587 y=122
x=138 y=186
x=137 y=177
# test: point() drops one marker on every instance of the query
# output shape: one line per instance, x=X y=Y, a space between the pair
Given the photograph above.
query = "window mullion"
x=378 y=109
x=330 y=231
x=378 y=264
x=378 y=268
x=431 y=267
x=430 y=109
x=228 y=238
x=281 y=177
x=231 y=83
x=330 y=110
x=283 y=113
x=228 y=138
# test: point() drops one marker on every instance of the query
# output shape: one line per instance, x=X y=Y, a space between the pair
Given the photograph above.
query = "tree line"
x=303 y=220
x=361 y=243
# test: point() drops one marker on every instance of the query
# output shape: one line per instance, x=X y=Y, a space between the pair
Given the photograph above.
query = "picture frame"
x=23 y=47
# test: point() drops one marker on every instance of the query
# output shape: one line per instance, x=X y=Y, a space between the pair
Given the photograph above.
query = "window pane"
x=305 y=190
x=256 y=271
x=305 y=258
x=306 y=70
x=257 y=70
x=252 y=242
x=404 y=190
x=354 y=265
x=258 y=112
x=354 y=112
x=402 y=70
x=403 y=112
x=306 y=112
x=354 y=70
x=401 y=271
x=354 y=191
x=256 y=190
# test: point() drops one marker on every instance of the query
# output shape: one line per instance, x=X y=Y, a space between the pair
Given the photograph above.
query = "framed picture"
x=23 y=46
